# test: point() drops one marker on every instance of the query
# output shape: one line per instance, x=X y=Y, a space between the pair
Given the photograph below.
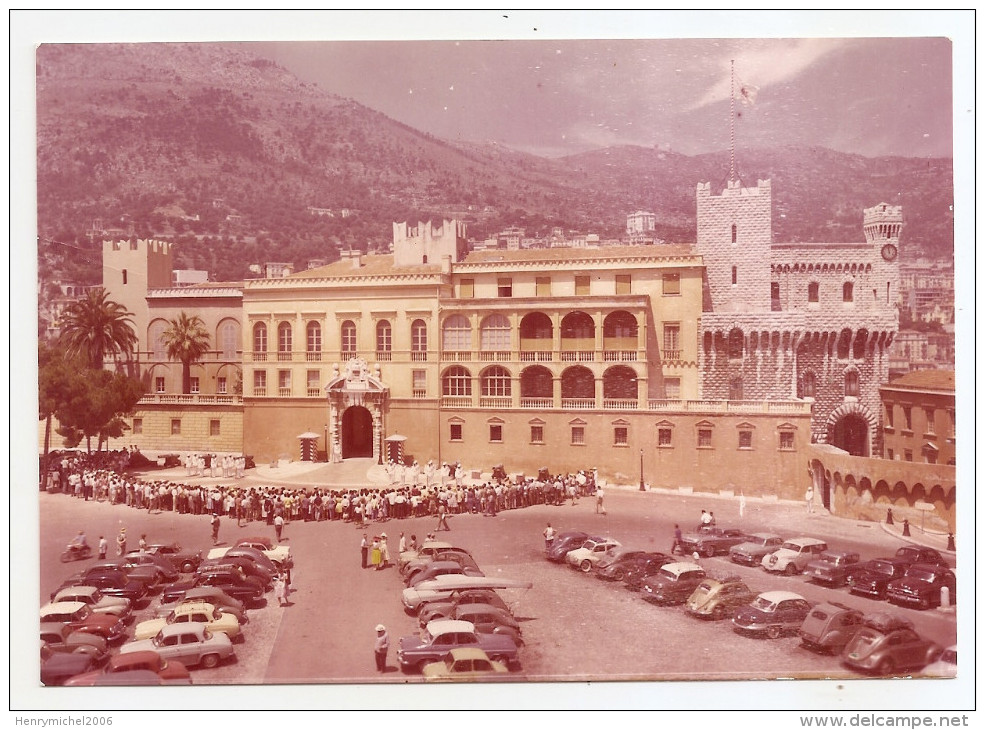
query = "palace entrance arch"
x=356 y=403
x=356 y=433
x=851 y=428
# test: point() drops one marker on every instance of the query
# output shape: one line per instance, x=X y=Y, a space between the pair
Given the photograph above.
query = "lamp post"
x=642 y=483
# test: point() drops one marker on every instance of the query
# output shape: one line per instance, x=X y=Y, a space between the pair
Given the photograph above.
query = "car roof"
x=135 y=657
x=839 y=553
x=681 y=567
x=833 y=606
x=447 y=626
x=763 y=535
x=451 y=582
x=78 y=591
x=467 y=608
x=62 y=607
x=435 y=544
x=193 y=606
x=133 y=677
x=189 y=627
x=55 y=627
x=468 y=652
x=805 y=541
x=777 y=596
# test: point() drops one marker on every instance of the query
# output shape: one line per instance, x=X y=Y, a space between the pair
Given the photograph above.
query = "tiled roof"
x=926 y=379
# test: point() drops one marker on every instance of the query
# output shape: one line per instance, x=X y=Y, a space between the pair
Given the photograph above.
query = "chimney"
x=357 y=257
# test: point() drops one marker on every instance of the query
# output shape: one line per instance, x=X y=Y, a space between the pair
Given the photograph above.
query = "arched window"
x=154 y=339
x=456 y=381
x=419 y=340
x=851 y=383
x=844 y=344
x=578 y=382
x=847 y=292
x=813 y=291
x=735 y=389
x=314 y=338
x=260 y=337
x=456 y=334
x=384 y=336
x=577 y=325
x=227 y=340
x=619 y=324
x=619 y=383
x=735 y=233
x=496 y=381
x=536 y=382
x=736 y=344
x=536 y=326
x=808 y=385
x=494 y=334
x=858 y=346
x=285 y=341
x=348 y=337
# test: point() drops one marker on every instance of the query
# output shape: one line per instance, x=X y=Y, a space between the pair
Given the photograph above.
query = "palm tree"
x=186 y=340
x=95 y=328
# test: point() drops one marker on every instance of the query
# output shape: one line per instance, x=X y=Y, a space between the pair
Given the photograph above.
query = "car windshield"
x=703 y=589
x=829 y=559
x=927 y=576
x=664 y=573
x=950 y=656
x=791 y=546
x=764 y=604
x=880 y=566
x=863 y=640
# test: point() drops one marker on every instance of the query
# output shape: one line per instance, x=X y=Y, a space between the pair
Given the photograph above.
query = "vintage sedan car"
x=205 y=613
x=166 y=672
x=712 y=541
x=921 y=554
x=192 y=644
x=245 y=565
x=62 y=637
x=920 y=586
x=946 y=664
x=166 y=572
x=278 y=554
x=887 y=644
x=489 y=620
x=443 y=586
x=673 y=583
x=432 y=610
x=113 y=582
x=718 y=599
x=829 y=627
x=94 y=598
x=80 y=617
x=207 y=594
x=440 y=637
x=757 y=546
x=794 y=555
x=417 y=567
x=588 y=555
x=149 y=575
x=834 y=568
x=613 y=566
x=565 y=542
x=876 y=575
x=57 y=667
x=772 y=614
x=430 y=554
x=426 y=550
x=245 y=551
x=465 y=665
x=184 y=560
x=229 y=578
x=442 y=567
x=643 y=567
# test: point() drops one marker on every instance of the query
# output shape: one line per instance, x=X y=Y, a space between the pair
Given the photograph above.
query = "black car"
x=644 y=567
x=876 y=575
x=245 y=564
x=616 y=567
x=229 y=578
x=110 y=582
x=565 y=543
x=166 y=572
x=57 y=666
x=184 y=560
x=921 y=586
x=920 y=554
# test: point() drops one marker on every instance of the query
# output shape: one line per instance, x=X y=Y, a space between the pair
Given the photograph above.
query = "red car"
x=168 y=671
x=80 y=617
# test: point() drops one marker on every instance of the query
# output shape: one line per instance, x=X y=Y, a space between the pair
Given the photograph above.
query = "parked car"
x=442 y=567
x=243 y=551
x=149 y=575
x=278 y=554
x=921 y=586
x=426 y=550
x=718 y=599
x=876 y=575
x=712 y=541
x=432 y=610
x=564 y=543
x=168 y=672
x=489 y=619
x=757 y=546
x=615 y=565
x=644 y=567
x=834 y=567
x=946 y=664
x=773 y=614
x=62 y=637
x=166 y=572
x=921 y=554
x=418 y=567
x=794 y=555
x=114 y=582
x=673 y=583
x=192 y=644
x=205 y=613
x=886 y=644
x=465 y=665
x=229 y=578
x=432 y=554
x=440 y=637
x=829 y=627
x=94 y=598
x=184 y=560
x=443 y=586
x=246 y=565
x=57 y=667
x=80 y=617
x=588 y=555
x=207 y=594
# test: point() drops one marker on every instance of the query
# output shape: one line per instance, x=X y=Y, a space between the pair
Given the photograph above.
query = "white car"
x=945 y=666
x=112 y=605
x=588 y=555
x=191 y=644
x=794 y=555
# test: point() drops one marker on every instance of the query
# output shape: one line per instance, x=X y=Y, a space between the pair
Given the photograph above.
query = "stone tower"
x=130 y=269
x=429 y=244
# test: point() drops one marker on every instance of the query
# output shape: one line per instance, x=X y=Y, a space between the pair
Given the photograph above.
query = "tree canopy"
x=187 y=341
x=95 y=327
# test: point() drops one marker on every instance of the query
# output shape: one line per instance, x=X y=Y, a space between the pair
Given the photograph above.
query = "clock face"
x=889 y=252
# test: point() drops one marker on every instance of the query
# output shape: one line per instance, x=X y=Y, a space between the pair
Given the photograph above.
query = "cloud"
x=767 y=62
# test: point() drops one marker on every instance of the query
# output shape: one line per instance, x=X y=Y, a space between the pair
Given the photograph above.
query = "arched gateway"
x=851 y=427
x=356 y=403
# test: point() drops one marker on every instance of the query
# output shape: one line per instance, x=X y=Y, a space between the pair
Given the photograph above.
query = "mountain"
x=227 y=154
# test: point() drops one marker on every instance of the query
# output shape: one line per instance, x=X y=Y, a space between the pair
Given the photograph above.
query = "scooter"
x=76 y=552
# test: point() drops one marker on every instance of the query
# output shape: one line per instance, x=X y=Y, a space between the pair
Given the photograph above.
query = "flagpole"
x=732 y=123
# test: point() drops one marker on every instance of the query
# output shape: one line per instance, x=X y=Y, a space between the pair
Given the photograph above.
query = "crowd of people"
x=412 y=492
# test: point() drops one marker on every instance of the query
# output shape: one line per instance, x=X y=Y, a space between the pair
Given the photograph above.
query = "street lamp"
x=642 y=484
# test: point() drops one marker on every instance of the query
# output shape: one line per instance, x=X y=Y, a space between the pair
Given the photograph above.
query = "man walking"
x=809 y=497
x=677 y=541
x=599 y=497
x=549 y=534
x=364 y=549
x=381 y=647
x=215 y=528
x=279 y=525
